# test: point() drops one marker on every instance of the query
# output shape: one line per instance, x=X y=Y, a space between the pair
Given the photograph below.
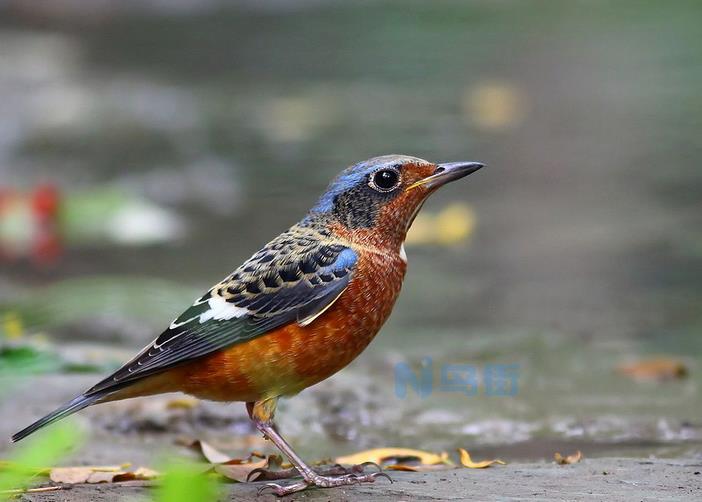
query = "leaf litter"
x=569 y=459
x=258 y=466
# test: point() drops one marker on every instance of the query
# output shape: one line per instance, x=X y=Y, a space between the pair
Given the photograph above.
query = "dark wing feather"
x=277 y=286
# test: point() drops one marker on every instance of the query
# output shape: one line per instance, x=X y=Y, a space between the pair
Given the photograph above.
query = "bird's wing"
x=270 y=290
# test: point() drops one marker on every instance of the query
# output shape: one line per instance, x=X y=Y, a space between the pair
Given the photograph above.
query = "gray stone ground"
x=610 y=479
x=592 y=479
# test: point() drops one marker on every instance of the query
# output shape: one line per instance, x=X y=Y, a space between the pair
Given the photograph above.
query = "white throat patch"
x=403 y=253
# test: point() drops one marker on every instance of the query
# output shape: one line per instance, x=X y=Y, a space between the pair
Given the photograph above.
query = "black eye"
x=385 y=180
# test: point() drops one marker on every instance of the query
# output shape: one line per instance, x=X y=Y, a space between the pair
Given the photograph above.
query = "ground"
x=145 y=431
x=609 y=479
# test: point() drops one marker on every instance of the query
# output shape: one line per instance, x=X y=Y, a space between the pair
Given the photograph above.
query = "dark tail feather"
x=70 y=408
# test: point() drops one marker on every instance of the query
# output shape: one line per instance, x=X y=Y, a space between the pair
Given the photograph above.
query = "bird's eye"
x=385 y=180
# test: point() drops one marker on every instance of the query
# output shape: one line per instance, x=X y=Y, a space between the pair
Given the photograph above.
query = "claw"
x=366 y=464
x=274 y=487
x=379 y=474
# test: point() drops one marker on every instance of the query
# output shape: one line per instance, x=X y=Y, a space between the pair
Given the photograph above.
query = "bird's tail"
x=77 y=404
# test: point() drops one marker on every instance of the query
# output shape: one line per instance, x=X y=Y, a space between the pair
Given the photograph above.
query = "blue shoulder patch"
x=346 y=259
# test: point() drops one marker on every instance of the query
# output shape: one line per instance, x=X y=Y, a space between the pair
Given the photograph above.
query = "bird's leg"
x=261 y=412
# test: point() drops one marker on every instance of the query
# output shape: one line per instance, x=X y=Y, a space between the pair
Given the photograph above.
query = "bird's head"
x=377 y=200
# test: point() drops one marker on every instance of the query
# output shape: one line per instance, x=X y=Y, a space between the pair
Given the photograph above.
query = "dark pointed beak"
x=448 y=172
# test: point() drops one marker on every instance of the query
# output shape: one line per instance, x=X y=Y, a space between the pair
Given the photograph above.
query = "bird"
x=296 y=312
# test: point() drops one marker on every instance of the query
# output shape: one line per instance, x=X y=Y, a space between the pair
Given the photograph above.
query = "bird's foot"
x=322 y=482
x=261 y=474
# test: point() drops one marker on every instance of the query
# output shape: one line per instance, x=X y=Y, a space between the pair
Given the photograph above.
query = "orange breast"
x=291 y=358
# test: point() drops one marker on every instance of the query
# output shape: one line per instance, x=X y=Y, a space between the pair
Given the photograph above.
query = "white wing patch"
x=220 y=310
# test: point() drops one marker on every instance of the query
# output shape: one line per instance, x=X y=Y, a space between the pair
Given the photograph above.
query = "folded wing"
x=270 y=290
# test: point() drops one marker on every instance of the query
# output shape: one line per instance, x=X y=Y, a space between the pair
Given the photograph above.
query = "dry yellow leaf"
x=211 y=454
x=236 y=469
x=70 y=475
x=380 y=455
x=111 y=468
x=466 y=461
x=418 y=467
x=570 y=459
x=141 y=474
x=240 y=472
x=182 y=403
x=400 y=467
x=657 y=368
x=98 y=477
x=99 y=474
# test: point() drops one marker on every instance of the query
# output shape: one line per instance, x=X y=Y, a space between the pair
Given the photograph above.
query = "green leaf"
x=34 y=455
x=184 y=482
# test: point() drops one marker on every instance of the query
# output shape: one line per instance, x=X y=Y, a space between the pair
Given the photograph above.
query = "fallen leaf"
x=99 y=474
x=400 y=467
x=570 y=459
x=211 y=454
x=380 y=455
x=98 y=477
x=239 y=470
x=182 y=403
x=141 y=474
x=236 y=469
x=657 y=368
x=418 y=467
x=466 y=461
x=70 y=475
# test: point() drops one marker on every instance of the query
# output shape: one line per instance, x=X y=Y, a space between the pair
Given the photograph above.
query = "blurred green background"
x=176 y=138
